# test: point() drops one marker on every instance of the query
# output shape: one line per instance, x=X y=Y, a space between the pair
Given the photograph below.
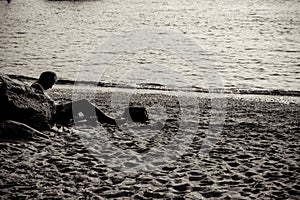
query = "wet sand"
x=255 y=157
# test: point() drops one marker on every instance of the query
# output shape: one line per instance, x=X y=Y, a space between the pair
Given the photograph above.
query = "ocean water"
x=250 y=44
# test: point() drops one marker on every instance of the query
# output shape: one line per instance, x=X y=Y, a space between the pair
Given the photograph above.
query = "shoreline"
x=153 y=87
x=250 y=97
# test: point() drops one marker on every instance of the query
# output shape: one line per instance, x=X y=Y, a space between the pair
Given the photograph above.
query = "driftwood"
x=16 y=130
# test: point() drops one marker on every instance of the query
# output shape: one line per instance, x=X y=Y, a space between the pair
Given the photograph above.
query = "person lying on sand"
x=64 y=112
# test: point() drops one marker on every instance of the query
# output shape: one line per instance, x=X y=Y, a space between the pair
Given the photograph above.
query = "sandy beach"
x=255 y=157
x=247 y=48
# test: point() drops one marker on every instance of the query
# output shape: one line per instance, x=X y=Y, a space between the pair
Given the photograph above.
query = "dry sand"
x=255 y=157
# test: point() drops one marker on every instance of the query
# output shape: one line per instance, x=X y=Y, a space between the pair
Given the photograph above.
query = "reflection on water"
x=254 y=44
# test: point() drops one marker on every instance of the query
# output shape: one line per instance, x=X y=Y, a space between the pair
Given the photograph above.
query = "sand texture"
x=255 y=157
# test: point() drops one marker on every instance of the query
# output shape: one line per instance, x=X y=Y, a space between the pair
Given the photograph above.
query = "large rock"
x=20 y=103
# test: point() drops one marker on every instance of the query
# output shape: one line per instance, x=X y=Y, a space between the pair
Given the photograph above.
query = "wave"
x=155 y=86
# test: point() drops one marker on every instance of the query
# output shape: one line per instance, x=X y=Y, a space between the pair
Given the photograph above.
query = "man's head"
x=47 y=79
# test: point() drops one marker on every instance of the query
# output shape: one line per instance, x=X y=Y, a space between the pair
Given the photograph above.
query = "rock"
x=136 y=114
x=20 y=103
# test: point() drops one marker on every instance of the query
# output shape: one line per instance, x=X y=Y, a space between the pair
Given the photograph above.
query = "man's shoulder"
x=37 y=87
